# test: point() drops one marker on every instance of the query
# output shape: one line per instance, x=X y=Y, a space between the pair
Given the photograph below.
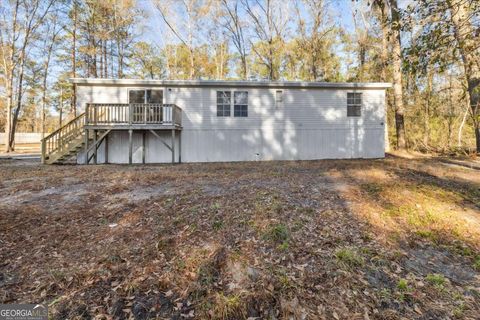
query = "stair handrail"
x=58 y=139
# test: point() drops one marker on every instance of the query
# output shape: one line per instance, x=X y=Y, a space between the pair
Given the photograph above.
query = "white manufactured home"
x=156 y=121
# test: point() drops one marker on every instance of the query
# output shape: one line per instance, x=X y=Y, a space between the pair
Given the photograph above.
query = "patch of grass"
x=437 y=280
x=284 y=246
x=427 y=234
x=404 y=290
x=215 y=206
x=180 y=264
x=459 y=310
x=367 y=237
x=217 y=225
x=385 y=294
x=418 y=219
x=207 y=274
x=414 y=216
x=278 y=233
x=372 y=188
x=228 y=307
x=463 y=250
x=397 y=211
x=283 y=282
x=402 y=285
x=349 y=257
x=476 y=263
x=268 y=204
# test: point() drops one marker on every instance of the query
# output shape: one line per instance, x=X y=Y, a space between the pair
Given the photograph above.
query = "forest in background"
x=429 y=51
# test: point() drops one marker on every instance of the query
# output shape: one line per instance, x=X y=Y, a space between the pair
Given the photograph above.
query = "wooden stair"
x=64 y=143
x=69 y=151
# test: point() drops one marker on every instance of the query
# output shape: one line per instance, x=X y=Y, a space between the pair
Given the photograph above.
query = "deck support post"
x=106 y=148
x=179 y=147
x=173 y=145
x=96 y=148
x=86 y=146
x=143 y=146
x=130 y=145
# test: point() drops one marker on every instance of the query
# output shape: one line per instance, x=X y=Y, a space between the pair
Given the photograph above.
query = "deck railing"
x=60 y=138
x=132 y=114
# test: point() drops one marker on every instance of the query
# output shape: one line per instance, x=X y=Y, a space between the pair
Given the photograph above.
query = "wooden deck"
x=142 y=116
x=87 y=131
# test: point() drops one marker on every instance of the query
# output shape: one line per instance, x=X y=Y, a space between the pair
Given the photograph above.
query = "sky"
x=153 y=27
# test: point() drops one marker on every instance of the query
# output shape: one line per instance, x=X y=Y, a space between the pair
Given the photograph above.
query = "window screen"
x=354 y=104
x=136 y=96
x=240 y=106
x=154 y=96
x=223 y=103
x=145 y=96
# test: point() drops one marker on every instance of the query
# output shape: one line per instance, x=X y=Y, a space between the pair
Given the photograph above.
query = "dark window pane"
x=354 y=111
x=136 y=96
x=354 y=98
x=354 y=104
x=240 y=111
x=154 y=96
x=223 y=110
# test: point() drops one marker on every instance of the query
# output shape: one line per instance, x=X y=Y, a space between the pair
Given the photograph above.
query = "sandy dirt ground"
x=336 y=239
x=27 y=149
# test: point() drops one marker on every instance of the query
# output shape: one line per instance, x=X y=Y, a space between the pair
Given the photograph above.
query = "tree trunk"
x=73 y=102
x=9 y=70
x=244 y=67
x=397 y=76
x=384 y=56
x=19 y=94
x=61 y=108
x=426 y=123
x=462 y=124
x=44 y=88
x=8 y=119
x=477 y=138
x=463 y=31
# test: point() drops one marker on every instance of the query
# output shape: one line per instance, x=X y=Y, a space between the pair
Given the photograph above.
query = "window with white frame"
x=279 y=98
x=354 y=104
x=145 y=96
x=223 y=103
x=240 y=106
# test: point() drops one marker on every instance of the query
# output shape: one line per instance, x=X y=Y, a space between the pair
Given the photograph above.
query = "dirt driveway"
x=334 y=239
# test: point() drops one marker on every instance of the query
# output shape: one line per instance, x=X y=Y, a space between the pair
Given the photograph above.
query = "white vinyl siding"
x=311 y=124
